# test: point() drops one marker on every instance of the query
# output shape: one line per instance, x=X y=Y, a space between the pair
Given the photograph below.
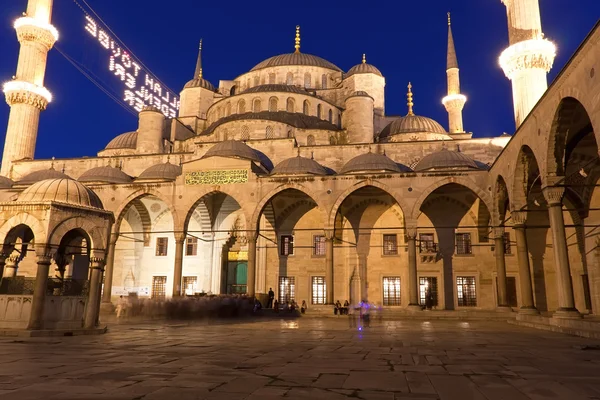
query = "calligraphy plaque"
x=216 y=177
x=237 y=256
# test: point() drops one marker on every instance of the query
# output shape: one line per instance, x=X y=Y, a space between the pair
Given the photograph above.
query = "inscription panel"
x=216 y=177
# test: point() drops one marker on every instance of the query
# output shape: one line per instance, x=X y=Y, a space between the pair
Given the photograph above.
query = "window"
x=428 y=283
x=318 y=245
x=318 y=290
x=390 y=245
x=324 y=81
x=287 y=289
x=287 y=245
x=289 y=79
x=291 y=105
x=256 y=80
x=191 y=246
x=233 y=90
x=159 y=286
x=426 y=243
x=319 y=111
x=162 y=245
x=463 y=243
x=307 y=80
x=310 y=140
x=241 y=107
x=256 y=105
x=269 y=132
x=273 y=104
x=245 y=133
x=330 y=116
x=271 y=78
x=305 y=107
x=507 y=249
x=391 y=291
x=466 y=290
x=189 y=285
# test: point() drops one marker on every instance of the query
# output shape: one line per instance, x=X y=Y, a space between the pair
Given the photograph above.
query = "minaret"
x=198 y=71
x=528 y=58
x=26 y=94
x=454 y=102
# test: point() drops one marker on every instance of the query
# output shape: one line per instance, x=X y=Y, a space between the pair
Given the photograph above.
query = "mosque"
x=291 y=176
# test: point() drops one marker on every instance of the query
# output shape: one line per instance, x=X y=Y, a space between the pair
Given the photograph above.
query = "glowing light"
x=454 y=98
x=528 y=54
x=21 y=86
x=140 y=88
x=28 y=21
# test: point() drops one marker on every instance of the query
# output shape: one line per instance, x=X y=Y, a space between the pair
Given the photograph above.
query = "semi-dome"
x=200 y=83
x=44 y=174
x=363 y=68
x=105 y=174
x=127 y=140
x=370 y=162
x=166 y=171
x=446 y=159
x=5 y=183
x=299 y=166
x=275 y=88
x=232 y=148
x=298 y=58
x=61 y=190
x=412 y=124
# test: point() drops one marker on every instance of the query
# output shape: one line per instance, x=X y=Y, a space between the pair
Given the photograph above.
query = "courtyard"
x=305 y=358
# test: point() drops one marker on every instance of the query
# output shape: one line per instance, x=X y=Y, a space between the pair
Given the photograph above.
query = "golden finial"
x=449 y=23
x=364 y=59
x=410 y=103
x=297 y=39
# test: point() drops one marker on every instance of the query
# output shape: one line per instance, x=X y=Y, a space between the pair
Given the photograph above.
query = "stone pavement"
x=304 y=359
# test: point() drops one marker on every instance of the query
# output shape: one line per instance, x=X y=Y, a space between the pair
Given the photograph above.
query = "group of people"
x=338 y=309
x=288 y=305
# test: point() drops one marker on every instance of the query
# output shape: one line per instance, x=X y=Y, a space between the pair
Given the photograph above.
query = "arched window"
x=324 y=81
x=241 y=108
x=245 y=133
x=330 y=116
x=307 y=80
x=225 y=135
x=256 y=105
x=273 y=104
x=305 y=108
x=319 y=111
x=232 y=90
x=289 y=79
x=332 y=140
x=256 y=80
x=269 y=132
x=271 y=78
x=310 y=140
x=228 y=109
x=291 y=105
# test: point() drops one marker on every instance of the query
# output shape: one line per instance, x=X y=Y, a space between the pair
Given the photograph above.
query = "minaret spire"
x=454 y=101
x=26 y=94
x=297 y=46
x=198 y=72
x=364 y=59
x=409 y=97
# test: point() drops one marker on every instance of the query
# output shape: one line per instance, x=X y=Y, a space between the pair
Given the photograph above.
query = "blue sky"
x=405 y=40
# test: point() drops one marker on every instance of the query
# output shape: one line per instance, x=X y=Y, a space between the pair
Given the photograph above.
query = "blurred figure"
x=304 y=307
x=257 y=306
x=345 y=307
x=428 y=299
x=271 y=297
x=351 y=317
x=121 y=306
x=276 y=306
x=337 y=308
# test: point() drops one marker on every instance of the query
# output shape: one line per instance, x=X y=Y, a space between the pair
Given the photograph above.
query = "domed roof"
x=370 y=162
x=275 y=88
x=5 y=183
x=126 y=140
x=61 y=190
x=412 y=124
x=232 y=148
x=296 y=59
x=44 y=174
x=299 y=166
x=162 y=171
x=363 y=68
x=445 y=159
x=359 y=93
x=201 y=83
x=105 y=174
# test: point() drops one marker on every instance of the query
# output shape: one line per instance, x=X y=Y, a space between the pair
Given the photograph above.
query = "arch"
x=138 y=194
x=233 y=90
x=307 y=80
x=241 y=106
x=469 y=184
x=310 y=140
x=306 y=107
x=501 y=201
x=289 y=78
x=273 y=104
x=526 y=173
x=94 y=232
x=200 y=202
x=290 y=105
x=330 y=116
x=39 y=232
x=404 y=207
x=256 y=105
x=319 y=111
x=324 y=81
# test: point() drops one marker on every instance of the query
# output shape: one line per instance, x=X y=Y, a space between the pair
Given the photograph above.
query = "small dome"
x=445 y=159
x=276 y=88
x=61 y=190
x=360 y=93
x=412 y=124
x=363 y=68
x=295 y=59
x=370 y=162
x=232 y=148
x=166 y=171
x=105 y=174
x=5 y=183
x=126 y=140
x=150 y=108
x=201 y=83
x=299 y=166
x=44 y=174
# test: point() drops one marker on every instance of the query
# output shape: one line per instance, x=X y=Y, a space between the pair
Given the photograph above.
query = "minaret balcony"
x=32 y=30
x=526 y=55
x=21 y=92
x=454 y=101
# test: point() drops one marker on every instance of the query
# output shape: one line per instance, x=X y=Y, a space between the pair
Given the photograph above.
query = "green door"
x=237 y=277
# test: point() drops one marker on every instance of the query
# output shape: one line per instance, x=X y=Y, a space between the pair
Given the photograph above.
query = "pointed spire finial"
x=52 y=165
x=410 y=103
x=451 y=60
x=449 y=20
x=364 y=60
x=297 y=46
x=198 y=72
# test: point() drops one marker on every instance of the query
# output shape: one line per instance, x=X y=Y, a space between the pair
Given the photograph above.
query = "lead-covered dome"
x=299 y=166
x=412 y=124
x=127 y=140
x=232 y=148
x=275 y=88
x=105 y=174
x=166 y=171
x=298 y=58
x=371 y=162
x=61 y=190
x=363 y=68
x=44 y=174
x=200 y=83
x=444 y=160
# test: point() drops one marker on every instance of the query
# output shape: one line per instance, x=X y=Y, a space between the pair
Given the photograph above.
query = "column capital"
x=329 y=234
x=250 y=237
x=410 y=229
x=45 y=259
x=499 y=232
x=554 y=195
x=519 y=218
x=180 y=237
x=97 y=263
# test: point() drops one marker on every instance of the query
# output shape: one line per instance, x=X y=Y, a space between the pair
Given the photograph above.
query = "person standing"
x=271 y=297
x=304 y=307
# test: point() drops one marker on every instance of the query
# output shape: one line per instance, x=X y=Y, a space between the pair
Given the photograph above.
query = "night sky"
x=405 y=39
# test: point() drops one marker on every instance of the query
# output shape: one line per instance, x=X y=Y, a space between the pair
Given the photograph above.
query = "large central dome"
x=296 y=59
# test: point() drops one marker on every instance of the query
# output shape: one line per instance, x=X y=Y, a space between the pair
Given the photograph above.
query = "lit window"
x=269 y=132
x=273 y=104
x=466 y=290
x=241 y=106
x=318 y=245
x=191 y=246
x=290 y=107
x=463 y=243
x=391 y=291
x=256 y=105
x=318 y=290
x=306 y=108
x=159 y=286
x=189 y=285
x=287 y=289
x=390 y=245
x=507 y=249
x=245 y=133
x=426 y=243
x=162 y=245
x=287 y=245
x=310 y=140
x=428 y=284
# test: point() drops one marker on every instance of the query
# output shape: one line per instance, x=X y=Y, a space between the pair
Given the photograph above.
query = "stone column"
x=251 y=283
x=178 y=270
x=91 y=309
x=110 y=269
x=11 y=265
x=566 y=300
x=527 y=303
x=501 y=270
x=329 y=236
x=413 y=279
x=36 y=318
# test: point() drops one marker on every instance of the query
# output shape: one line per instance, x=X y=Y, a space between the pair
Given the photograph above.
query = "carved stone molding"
x=499 y=232
x=554 y=195
x=25 y=96
x=97 y=263
x=519 y=218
